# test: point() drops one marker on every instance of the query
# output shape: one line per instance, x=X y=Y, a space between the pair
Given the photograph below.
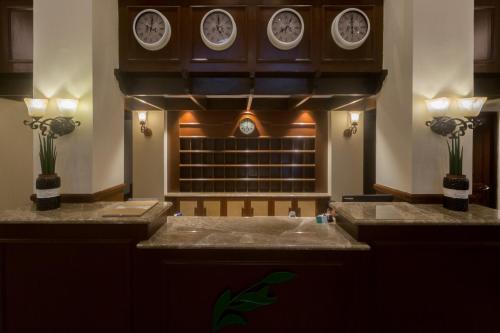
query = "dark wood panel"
x=2 y=290
x=222 y=124
x=266 y=52
x=369 y=151
x=486 y=36
x=238 y=52
x=484 y=26
x=16 y=85
x=487 y=84
x=365 y=58
x=67 y=287
x=272 y=83
x=485 y=157
x=16 y=36
x=252 y=51
x=140 y=59
x=325 y=296
x=430 y=288
x=173 y=160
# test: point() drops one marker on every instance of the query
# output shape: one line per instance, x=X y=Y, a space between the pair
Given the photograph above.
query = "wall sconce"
x=354 y=120
x=143 y=118
x=53 y=127
x=442 y=124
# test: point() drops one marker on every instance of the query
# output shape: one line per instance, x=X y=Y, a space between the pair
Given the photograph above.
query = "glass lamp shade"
x=67 y=107
x=143 y=116
x=354 y=117
x=36 y=107
x=470 y=107
x=438 y=107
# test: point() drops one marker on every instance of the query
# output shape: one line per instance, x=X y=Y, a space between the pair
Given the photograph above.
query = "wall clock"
x=350 y=28
x=218 y=29
x=247 y=126
x=285 y=29
x=151 y=29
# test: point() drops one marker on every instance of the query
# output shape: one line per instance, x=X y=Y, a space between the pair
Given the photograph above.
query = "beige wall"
x=148 y=171
x=428 y=53
x=62 y=67
x=108 y=102
x=78 y=62
x=347 y=156
x=443 y=65
x=16 y=155
x=394 y=105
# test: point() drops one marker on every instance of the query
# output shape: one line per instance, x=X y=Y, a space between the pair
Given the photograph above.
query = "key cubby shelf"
x=235 y=164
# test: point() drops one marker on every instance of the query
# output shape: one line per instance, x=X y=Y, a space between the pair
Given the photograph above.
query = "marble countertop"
x=87 y=213
x=266 y=233
x=402 y=213
x=247 y=195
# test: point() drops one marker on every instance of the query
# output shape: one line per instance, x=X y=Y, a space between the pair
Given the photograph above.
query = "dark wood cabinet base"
x=177 y=290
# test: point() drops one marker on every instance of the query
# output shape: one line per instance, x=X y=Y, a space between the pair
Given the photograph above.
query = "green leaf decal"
x=245 y=307
x=255 y=297
x=230 y=319
x=278 y=277
x=227 y=311
x=220 y=305
x=264 y=291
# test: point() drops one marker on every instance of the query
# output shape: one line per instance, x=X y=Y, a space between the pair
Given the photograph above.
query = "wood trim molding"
x=16 y=86
x=409 y=197
x=114 y=193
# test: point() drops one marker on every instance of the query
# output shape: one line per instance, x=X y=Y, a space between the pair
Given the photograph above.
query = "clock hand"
x=352 y=25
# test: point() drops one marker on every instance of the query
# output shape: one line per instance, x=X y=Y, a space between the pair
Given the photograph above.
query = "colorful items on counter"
x=328 y=217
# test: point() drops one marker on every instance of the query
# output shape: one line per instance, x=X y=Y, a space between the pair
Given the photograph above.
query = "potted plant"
x=48 y=182
x=455 y=184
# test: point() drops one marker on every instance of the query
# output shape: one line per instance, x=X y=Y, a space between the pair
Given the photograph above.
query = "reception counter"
x=433 y=270
x=80 y=221
x=70 y=269
x=400 y=221
x=384 y=267
x=259 y=233
x=191 y=261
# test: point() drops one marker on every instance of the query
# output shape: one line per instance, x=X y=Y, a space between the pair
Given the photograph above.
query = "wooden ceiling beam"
x=296 y=103
x=200 y=102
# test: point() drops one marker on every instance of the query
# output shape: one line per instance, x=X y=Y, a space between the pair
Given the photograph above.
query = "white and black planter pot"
x=456 y=193
x=47 y=192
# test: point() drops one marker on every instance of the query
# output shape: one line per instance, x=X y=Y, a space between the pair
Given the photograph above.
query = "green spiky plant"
x=48 y=155
x=456 y=155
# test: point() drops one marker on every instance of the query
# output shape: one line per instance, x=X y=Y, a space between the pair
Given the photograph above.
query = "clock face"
x=247 y=126
x=151 y=29
x=286 y=26
x=285 y=29
x=353 y=26
x=218 y=29
x=350 y=28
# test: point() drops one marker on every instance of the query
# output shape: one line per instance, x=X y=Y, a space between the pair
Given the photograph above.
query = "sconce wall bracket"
x=145 y=130
x=453 y=127
x=53 y=127
x=351 y=130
